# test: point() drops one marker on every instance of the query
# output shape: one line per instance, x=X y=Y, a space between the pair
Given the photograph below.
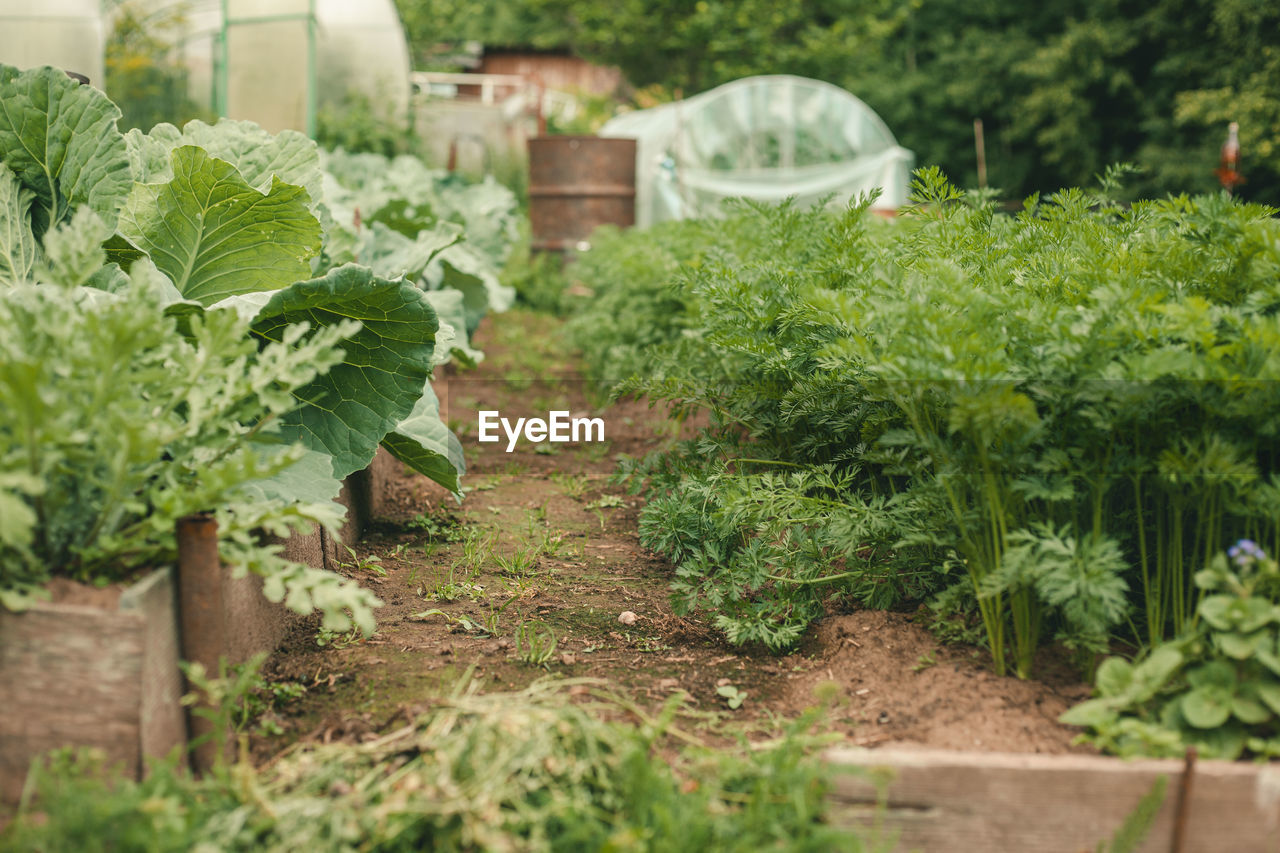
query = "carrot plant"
x=1069 y=410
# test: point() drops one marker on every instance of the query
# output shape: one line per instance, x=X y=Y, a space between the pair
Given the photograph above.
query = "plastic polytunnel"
x=765 y=138
x=278 y=62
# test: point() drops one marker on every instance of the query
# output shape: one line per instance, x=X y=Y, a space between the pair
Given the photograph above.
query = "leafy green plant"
x=104 y=465
x=1216 y=686
x=232 y=216
x=222 y=700
x=1045 y=419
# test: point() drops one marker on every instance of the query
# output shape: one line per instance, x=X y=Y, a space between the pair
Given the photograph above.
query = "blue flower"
x=1245 y=552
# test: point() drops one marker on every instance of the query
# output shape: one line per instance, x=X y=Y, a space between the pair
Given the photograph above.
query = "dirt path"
x=544 y=547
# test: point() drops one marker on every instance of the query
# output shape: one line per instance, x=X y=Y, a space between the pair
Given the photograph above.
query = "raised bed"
x=101 y=670
x=945 y=801
x=91 y=675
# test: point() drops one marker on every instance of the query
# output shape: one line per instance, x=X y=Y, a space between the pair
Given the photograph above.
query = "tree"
x=1064 y=89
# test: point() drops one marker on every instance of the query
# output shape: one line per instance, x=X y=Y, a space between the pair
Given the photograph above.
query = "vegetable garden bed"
x=98 y=667
x=99 y=675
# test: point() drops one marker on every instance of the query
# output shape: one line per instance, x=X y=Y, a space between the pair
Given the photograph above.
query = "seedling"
x=336 y=639
x=535 y=643
x=573 y=485
x=463 y=621
x=367 y=563
x=521 y=562
x=438 y=528
x=477 y=548
x=733 y=697
x=926 y=660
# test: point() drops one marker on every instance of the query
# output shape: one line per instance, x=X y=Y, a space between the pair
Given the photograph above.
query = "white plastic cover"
x=362 y=50
x=66 y=34
x=764 y=138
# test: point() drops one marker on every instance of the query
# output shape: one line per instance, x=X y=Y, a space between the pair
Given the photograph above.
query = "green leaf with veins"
x=18 y=247
x=452 y=340
x=216 y=236
x=423 y=442
x=61 y=140
x=347 y=412
x=257 y=154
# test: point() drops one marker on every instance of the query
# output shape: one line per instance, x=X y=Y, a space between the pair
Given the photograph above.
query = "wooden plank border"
x=939 y=800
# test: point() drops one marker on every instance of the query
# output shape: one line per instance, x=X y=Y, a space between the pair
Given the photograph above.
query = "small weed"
x=546 y=450
x=437 y=528
x=520 y=587
x=535 y=643
x=336 y=639
x=492 y=617
x=367 y=563
x=463 y=621
x=477 y=548
x=594 y=451
x=648 y=644
x=573 y=485
x=451 y=590
x=264 y=699
x=606 y=502
x=732 y=696
x=926 y=660
x=521 y=562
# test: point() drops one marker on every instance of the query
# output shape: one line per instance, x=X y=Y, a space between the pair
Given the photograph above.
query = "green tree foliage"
x=1063 y=89
x=143 y=77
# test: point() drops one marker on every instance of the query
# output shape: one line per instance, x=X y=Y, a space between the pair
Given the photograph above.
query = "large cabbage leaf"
x=393 y=255
x=216 y=236
x=452 y=340
x=349 y=411
x=424 y=443
x=462 y=268
x=18 y=248
x=258 y=155
x=61 y=140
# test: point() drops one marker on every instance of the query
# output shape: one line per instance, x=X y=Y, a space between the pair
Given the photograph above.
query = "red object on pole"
x=1228 y=170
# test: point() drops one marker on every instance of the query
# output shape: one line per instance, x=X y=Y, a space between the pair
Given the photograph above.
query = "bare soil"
x=881 y=676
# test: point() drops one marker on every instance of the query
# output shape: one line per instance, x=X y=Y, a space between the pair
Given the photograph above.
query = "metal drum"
x=577 y=183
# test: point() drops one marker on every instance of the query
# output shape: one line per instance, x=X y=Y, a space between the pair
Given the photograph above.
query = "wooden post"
x=980 y=146
x=201 y=620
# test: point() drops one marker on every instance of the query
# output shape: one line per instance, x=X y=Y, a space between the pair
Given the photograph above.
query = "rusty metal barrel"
x=577 y=183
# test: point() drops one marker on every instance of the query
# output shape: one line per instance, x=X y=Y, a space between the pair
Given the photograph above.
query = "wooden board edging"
x=938 y=800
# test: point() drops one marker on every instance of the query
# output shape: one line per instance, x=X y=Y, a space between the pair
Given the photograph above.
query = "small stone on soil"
x=626 y=617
